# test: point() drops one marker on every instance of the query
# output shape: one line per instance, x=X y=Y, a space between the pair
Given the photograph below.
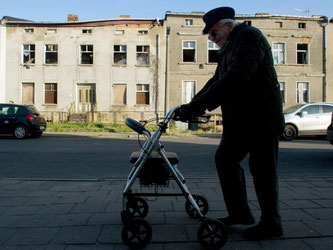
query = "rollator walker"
x=155 y=167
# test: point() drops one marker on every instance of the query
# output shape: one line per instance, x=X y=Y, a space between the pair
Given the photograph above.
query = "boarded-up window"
x=28 y=92
x=119 y=94
x=142 y=94
x=51 y=93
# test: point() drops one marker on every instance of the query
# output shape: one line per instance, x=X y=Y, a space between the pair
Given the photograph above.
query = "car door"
x=310 y=120
x=8 y=118
x=325 y=117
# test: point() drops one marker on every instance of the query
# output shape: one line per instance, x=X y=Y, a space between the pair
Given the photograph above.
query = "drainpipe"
x=156 y=75
x=166 y=96
x=324 y=24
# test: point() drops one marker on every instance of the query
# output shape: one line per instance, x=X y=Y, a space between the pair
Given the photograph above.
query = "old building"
x=298 y=47
x=96 y=67
x=115 y=68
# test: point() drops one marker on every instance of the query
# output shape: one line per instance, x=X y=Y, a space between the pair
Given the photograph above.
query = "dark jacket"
x=245 y=84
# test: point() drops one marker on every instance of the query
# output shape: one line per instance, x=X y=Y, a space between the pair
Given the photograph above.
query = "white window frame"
x=52 y=90
x=142 y=90
x=300 y=91
x=191 y=86
x=28 y=52
x=87 y=51
x=211 y=46
x=50 y=52
x=278 y=51
x=144 y=53
x=307 y=54
x=189 y=22
x=143 y=32
x=283 y=88
x=120 y=51
x=189 y=48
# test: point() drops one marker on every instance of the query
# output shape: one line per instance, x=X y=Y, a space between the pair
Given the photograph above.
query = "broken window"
x=51 y=53
x=51 y=31
x=119 y=94
x=302 y=53
x=50 y=93
x=142 y=32
x=278 y=53
x=29 y=53
x=302 y=25
x=119 y=32
x=279 y=24
x=142 y=94
x=87 y=54
x=142 y=55
x=249 y=23
x=87 y=31
x=120 y=54
x=29 y=30
x=28 y=93
x=212 y=52
x=189 y=51
x=188 y=22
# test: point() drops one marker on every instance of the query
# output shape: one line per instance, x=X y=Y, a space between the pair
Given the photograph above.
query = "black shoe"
x=263 y=231
x=229 y=221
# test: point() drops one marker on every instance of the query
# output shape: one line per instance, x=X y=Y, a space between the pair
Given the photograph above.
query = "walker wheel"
x=212 y=234
x=201 y=202
x=136 y=207
x=136 y=232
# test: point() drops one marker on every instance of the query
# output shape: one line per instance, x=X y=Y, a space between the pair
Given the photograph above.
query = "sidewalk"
x=60 y=214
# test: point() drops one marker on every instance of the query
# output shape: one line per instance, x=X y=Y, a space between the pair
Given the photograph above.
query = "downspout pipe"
x=166 y=95
x=324 y=24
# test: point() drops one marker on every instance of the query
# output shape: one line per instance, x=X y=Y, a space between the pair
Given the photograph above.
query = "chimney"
x=124 y=16
x=72 y=18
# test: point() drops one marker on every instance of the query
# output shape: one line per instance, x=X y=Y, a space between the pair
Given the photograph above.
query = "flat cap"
x=215 y=15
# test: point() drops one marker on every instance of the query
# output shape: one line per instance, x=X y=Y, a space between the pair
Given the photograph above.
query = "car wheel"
x=36 y=134
x=289 y=133
x=20 y=132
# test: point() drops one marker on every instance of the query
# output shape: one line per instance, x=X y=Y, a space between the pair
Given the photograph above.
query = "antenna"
x=307 y=11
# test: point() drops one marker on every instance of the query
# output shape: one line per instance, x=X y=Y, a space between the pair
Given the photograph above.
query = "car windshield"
x=33 y=110
x=292 y=109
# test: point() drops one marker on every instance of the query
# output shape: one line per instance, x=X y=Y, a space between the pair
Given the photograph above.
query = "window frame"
x=119 y=52
x=215 y=48
x=113 y=94
x=307 y=58
x=30 y=52
x=298 y=94
x=278 y=51
x=142 y=91
x=46 y=52
x=189 y=22
x=283 y=92
x=87 y=51
x=186 y=48
x=144 y=53
x=52 y=91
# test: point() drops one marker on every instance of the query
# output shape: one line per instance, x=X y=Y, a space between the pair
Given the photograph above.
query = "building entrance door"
x=86 y=97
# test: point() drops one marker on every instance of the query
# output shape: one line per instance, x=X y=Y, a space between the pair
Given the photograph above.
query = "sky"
x=57 y=10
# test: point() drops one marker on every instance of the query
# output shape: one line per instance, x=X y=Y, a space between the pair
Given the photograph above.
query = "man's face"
x=219 y=33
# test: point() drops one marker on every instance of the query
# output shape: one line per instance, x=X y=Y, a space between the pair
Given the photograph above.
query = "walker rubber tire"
x=137 y=207
x=212 y=234
x=201 y=202
x=136 y=233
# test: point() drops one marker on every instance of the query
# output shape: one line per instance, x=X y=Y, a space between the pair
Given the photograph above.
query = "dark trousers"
x=263 y=152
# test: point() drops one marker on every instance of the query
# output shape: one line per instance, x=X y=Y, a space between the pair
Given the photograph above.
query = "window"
x=189 y=51
x=51 y=31
x=119 y=94
x=212 y=52
x=302 y=25
x=142 y=94
x=311 y=110
x=279 y=24
x=302 y=92
x=188 y=22
x=87 y=54
x=119 y=32
x=302 y=53
x=249 y=23
x=189 y=89
x=29 y=30
x=86 y=31
x=28 y=93
x=327 y=109
x=278 y=53
x=120 y=54
x=29 y=53
x=283 y=91
x=50 y=93
x=142 y=32
x=142 y=55
x=51 y=53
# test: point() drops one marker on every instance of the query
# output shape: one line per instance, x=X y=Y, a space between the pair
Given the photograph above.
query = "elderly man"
x=245 y=86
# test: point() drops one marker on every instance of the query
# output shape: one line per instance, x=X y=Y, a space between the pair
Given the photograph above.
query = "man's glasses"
x=212 y=33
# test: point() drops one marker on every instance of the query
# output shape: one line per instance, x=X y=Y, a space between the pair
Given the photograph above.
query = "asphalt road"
x=80 y=157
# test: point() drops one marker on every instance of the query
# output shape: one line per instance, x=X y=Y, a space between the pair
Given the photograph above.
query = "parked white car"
x=307 y=119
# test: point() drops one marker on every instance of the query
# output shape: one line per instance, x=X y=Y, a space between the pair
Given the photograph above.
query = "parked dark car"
x=21 y=121
x=330 y=131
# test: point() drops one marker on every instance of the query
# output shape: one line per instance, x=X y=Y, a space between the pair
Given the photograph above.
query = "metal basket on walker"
x=153 y=166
